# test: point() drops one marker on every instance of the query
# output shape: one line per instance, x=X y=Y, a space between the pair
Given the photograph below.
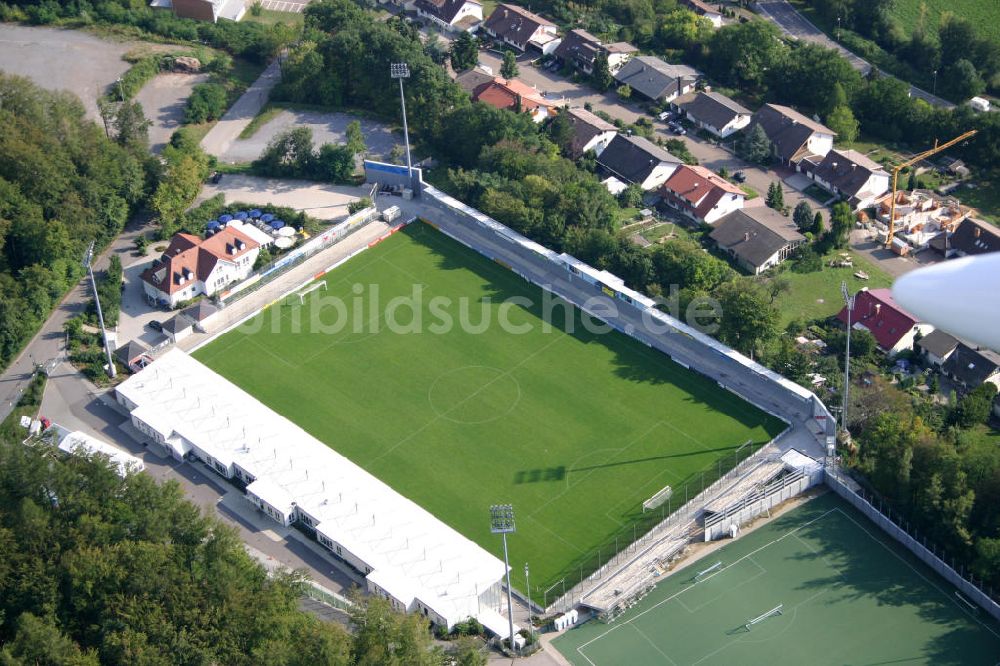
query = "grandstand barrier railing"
x=319 y=593
x=683 y=520
x=760 y=501
x=855 y=495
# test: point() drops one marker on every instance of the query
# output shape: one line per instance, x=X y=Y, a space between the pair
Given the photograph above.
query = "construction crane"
x=895 y=176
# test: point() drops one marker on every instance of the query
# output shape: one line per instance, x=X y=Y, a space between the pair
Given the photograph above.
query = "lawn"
x=817 y=295
x=848 y=595
x=270 y=17
x=985 y=196
x=981 y=13
x=575 y=429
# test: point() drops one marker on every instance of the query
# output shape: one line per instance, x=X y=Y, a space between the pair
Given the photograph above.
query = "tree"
x=334 y=163
x=355 y=138
x=743 y=53
x=841 y=120
x=803 y=216
x=841 y=221
x=748 y=318
x=508 y=69
x=775 y=196
x=911 y=181
x=817 y=226
x=961 y=80
x=755 y=146
x=464 y=52
x=131 y=126
x=560 y=131
x=975 y=407
x=207 y=102
x=624 y=91
x=631 y=196
x=601 y=77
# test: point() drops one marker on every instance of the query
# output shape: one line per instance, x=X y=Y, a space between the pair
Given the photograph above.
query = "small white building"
x=80 y=443
x=451 y=15
x=193 y=266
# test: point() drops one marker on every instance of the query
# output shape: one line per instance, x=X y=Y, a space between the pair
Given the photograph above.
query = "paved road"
x=793 y=24
x=163 y=100
x=226 y=131
x=710 y=155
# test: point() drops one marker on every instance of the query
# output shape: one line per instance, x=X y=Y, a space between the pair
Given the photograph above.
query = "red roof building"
x=192 y=266
x=893 y=327
x=509 y=93
x=701 y=194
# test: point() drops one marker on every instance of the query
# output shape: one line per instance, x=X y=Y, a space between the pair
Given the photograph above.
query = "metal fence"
x=928 y=553
x=287 y=261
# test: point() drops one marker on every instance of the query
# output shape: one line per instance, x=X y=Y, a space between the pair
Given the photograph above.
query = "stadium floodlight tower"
x=849 y=302
x=401 y=70
x=88 y=263
x=502 y=522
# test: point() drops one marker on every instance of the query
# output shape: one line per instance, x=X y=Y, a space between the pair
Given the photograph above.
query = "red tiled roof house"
x=192 y=266
x=893 y=327
x=700 y=194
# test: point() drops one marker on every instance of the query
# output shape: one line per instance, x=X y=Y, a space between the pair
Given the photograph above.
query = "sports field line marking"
x=655 y=647
x=682 y=591
x=762 y=572
x=556 y=535
x=439 y=415
x=925 y=579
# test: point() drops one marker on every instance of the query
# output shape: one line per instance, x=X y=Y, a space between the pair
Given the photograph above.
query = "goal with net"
x=763 y=616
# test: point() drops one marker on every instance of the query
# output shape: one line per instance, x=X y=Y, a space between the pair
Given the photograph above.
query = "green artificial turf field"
x=850 y=595
x=575 y=430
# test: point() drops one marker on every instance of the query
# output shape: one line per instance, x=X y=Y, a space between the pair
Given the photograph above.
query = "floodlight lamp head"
x=399 y=70
x=501 y=519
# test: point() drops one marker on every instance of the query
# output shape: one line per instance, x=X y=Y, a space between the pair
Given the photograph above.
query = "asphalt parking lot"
x=163 y=100
x=63 y=60
x=326 y=128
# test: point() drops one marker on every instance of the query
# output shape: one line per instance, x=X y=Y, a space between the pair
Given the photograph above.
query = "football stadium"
x=461 y=385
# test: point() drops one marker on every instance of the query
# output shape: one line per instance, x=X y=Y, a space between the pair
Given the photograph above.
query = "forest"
x=63 y=184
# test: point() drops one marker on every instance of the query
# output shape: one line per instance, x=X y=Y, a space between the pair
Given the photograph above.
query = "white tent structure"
x=80 y=442
x=407 y=555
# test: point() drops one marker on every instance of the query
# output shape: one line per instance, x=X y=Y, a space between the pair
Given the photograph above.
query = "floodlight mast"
x=849 y=302
x=502 y=522
x=88 y=263
x=401 y=70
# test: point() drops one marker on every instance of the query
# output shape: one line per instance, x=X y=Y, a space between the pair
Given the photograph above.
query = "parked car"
x=740 y=177
x=666 y=115
x=46 y=424
x=216 y=177
x=677 y=129
x=155 y=324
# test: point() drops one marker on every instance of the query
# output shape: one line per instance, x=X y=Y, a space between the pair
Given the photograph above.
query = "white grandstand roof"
x=413 y=554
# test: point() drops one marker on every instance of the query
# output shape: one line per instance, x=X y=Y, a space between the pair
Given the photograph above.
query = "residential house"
x=451 y=15
x=921 y=215
x=937 y=347
x=657 y=80
x=205 y=10
x=192 y=266
x=713 y=112
x=200 y=314
x=793 y=136
x=893 y=328
x=516 y=96
x=705 y=10
x=847 y=173
x=757 y=238
x=579 y=49
x=700 y=194
x=590 y=132
x=972 y=237
x=973 y=367
x=133 y=355
x=519 y=28
x=633 y=159
x=472 y=79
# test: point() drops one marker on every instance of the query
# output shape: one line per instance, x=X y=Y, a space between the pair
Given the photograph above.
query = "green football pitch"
x=849 y=595
x=575 y=430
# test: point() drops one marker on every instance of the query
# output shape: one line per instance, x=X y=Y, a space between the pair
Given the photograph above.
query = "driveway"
x=163 y=100
x=864 y=243
x=320 y=200
x=63 y=60
x=796 y=26
x=326 y=128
